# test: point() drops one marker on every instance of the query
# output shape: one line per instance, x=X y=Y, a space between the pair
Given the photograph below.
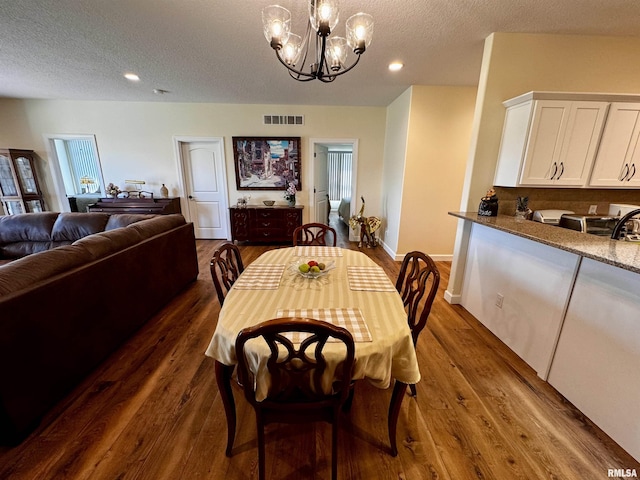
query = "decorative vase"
x=164 y=191
x=292 y=201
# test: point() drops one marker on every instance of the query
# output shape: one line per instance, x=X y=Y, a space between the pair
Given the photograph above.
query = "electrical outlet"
x=593 y=209
x=499 y=299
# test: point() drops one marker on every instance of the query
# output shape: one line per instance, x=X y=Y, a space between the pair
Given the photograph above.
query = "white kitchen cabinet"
x=529 y=280
x=618 y=161
x=596 y=362
x=549 y=142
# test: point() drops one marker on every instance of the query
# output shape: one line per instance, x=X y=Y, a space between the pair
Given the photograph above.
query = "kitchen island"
x=617 y=253
x=568 y=303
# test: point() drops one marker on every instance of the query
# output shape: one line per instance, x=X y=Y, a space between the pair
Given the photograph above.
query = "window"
x=79 y=165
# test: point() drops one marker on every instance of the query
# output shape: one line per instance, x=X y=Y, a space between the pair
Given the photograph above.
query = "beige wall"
x=135 y=140
x=517 y=63
x=14 y=126
x=395 y=151
x=438 y=143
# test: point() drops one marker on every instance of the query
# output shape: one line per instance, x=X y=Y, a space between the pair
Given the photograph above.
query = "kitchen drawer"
x=267 y=234
x=271 y=214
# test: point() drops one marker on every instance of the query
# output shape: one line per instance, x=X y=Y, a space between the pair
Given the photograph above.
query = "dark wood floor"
x=152 y=411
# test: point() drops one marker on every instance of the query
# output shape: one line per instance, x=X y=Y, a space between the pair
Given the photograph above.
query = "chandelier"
x=323 y=57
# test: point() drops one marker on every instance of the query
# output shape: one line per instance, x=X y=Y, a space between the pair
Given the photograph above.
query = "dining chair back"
x=314 y=234
x=418 y=277
x=226 y=266
x=296 y=393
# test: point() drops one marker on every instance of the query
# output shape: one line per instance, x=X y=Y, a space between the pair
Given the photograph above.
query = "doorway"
x=333 y=172
x=203 y=179
x=76 y=171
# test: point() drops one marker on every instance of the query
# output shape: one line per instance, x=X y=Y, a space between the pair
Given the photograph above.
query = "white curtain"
x=339 y=165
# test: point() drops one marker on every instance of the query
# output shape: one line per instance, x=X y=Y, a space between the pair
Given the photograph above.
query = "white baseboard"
x=442 y=258
x=451 y=298
x=398 y=257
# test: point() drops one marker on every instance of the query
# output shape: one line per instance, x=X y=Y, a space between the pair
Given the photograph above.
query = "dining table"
x=351 y=291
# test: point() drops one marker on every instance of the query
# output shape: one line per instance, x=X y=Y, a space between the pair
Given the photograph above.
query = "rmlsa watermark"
x=622 y=473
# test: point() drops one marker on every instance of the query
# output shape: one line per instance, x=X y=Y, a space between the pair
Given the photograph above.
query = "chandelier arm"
x=299 y=78
x=323 y=67
x=291 y=69
x=332 y=77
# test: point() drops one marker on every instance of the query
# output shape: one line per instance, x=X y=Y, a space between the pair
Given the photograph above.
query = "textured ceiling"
x=214 y=51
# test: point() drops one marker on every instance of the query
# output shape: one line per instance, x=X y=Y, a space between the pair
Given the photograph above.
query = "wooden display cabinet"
x=19 y=187
x=256 y=223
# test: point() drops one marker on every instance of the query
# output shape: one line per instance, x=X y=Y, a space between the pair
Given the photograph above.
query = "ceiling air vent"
x=283 y=119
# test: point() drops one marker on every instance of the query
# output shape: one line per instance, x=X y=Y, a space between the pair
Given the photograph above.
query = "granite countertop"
x=614 y=252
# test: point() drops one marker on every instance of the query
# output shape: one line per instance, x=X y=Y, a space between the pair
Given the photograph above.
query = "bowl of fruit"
x=312 y=268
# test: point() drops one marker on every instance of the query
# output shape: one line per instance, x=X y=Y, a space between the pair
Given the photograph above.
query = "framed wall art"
x=267 y=163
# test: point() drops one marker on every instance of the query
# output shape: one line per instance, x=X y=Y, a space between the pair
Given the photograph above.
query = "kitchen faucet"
x=621 y=223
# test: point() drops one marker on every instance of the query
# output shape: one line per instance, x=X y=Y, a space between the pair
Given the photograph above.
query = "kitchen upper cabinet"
x=549 y=143
x=618 y=161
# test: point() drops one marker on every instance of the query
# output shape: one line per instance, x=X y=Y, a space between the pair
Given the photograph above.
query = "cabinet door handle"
x=555 y=170
x=633 y=166
x=561 y=170
x=626 y=172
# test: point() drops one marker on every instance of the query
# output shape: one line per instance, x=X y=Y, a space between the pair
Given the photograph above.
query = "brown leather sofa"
x=81 y=285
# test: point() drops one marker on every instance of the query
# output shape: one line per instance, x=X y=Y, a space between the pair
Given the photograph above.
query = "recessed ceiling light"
x=395 y=66
x=132 y=76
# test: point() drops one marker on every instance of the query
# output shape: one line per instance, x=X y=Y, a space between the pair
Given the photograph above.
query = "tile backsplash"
x=576 y=199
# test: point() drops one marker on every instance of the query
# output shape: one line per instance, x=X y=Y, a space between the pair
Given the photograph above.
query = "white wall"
x=135 y=139
x=395 y=151
x=436 y=157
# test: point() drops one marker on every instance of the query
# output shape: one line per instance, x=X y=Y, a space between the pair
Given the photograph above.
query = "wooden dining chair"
x=296 y=370
x=314 y=234
x=226 y=266
x=418 y=276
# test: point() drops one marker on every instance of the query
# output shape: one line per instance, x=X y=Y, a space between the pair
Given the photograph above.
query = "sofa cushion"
x=71 y=226
x=32 y=269
x=102 y=244
x=34 y=227
x=159 y=224
x=25 y=233
x=123 y=219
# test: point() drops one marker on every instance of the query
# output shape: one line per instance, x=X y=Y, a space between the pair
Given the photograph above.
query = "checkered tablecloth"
x=265 y=276
x=349 y=318
x=369 y=279
x=312 y=251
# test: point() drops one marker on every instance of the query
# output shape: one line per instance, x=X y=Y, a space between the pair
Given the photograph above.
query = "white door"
x=204 y=171
x=321 y=184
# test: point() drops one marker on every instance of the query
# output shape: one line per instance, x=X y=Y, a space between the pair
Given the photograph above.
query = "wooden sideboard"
x=256 y=223
x=157 y=206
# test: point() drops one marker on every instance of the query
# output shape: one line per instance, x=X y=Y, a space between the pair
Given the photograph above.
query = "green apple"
x=315 y=269
x=304 y=268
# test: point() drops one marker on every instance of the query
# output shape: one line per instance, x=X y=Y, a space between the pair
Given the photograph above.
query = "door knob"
x=190 y=197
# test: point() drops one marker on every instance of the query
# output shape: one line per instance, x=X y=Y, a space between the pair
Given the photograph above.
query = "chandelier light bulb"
x=359 y=32
x=337 y=53
x=276 y=23
x=323 y=15
x=325 y=12
x=291 y=50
